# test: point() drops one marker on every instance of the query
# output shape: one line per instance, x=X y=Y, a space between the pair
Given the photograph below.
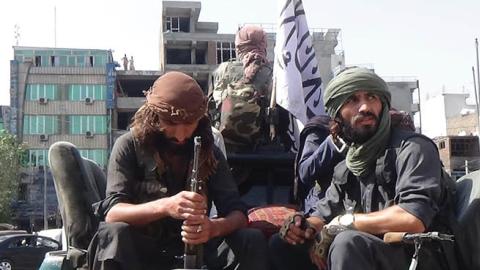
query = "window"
x=80 y=61
x=40 y=124
x=179 y=56
x=37 y=157
x=200 y=56
x=225 y=51
x=464 y=146
x=177 y=24
x=21 y=242
x=38 y=61
x=22 y=192
x=54 y=61
x=44 y=242
x=99 y=61
x=89 y=61
x=97 y=155
x=71 y=61
x=78 y=92
x=441 y=145
x=80 y=124
x=36 y=91
x=172 y=24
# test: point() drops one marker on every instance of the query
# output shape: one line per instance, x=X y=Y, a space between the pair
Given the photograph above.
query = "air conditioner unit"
x=43 y=137
x=89 y=134
x=89 y=100
x=43 y=100
x=28 y=59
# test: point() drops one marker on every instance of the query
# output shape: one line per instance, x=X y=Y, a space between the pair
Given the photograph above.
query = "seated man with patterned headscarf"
x=149 y=215
x=390 y=181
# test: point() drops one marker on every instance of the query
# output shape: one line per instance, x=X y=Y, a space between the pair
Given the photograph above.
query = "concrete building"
x=464 y=124
x=58 y=95
x=405 y=95
x=459 y=154
x=196 y=48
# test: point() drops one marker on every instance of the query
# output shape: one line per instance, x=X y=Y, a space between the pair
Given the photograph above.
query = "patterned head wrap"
x=251 y=47
x=177 y=97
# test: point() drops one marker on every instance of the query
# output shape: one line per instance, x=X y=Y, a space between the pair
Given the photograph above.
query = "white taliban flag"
x=296 y=72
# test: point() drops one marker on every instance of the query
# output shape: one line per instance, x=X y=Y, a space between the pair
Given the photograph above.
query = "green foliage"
x=10 y=156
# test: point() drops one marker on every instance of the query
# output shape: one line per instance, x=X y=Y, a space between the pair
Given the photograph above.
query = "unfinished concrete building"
x=196 y=48
x=405 y=96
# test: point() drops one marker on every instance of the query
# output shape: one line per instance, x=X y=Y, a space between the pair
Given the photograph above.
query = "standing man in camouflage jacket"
x=241 y=91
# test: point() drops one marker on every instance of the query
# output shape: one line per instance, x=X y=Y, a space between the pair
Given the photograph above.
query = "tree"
x=10 y=162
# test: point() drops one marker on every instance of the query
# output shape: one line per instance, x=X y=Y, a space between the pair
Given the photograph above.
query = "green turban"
x=361 y=158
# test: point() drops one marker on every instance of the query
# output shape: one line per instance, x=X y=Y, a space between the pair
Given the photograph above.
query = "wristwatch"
x=347 y=220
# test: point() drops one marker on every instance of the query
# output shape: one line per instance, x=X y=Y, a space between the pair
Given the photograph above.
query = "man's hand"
x=319 y=250
x=187 y=205
x=320 y=262
x=297 y=230
x=197 y=230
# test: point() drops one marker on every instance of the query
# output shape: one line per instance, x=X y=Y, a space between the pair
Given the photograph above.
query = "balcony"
x=65 y=107
x=126 y=104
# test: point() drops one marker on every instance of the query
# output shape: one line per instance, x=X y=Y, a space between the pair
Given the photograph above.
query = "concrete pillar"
x=212 y=53
x=193 y=53
x=192 y=22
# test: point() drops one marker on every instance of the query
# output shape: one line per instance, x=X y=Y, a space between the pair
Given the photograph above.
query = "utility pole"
x=478 y=81
x=45 y=212
x=476 y=101
x=419 y=108
x=476 y=49
x=55 y=25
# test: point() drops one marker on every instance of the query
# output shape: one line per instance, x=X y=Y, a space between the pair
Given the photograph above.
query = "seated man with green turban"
x=390 y=181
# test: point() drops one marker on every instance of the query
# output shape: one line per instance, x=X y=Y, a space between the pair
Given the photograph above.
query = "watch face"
x=346 y=220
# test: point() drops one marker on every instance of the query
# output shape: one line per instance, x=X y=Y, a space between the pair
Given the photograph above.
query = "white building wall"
x=436 y=110
x=433 y=117
x=454 y=103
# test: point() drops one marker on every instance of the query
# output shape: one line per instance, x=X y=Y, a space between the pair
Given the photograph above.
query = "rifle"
x=417 y=239
x=192 y=257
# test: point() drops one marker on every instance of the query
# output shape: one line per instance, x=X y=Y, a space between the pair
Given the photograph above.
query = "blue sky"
x=430 y=40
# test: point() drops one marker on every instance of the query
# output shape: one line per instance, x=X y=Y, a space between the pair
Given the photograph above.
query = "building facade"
x=464 y=124
x=437 y=109
x=459 y=154
x=405 y=96
x=57 y=95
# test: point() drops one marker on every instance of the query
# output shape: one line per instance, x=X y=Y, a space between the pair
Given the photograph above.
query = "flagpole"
x=272 y=113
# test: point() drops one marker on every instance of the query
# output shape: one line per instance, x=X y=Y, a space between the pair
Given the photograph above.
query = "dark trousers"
x=352 y=250
x=119 y=246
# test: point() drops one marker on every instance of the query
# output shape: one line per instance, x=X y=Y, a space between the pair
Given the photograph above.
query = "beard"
x=362 y=133
x=171 y=145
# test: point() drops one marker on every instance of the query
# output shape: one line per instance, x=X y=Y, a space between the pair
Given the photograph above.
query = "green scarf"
x=361 y=158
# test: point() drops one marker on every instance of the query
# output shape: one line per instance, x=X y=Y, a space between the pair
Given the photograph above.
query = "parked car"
x=12 y=232
x=24 y=251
